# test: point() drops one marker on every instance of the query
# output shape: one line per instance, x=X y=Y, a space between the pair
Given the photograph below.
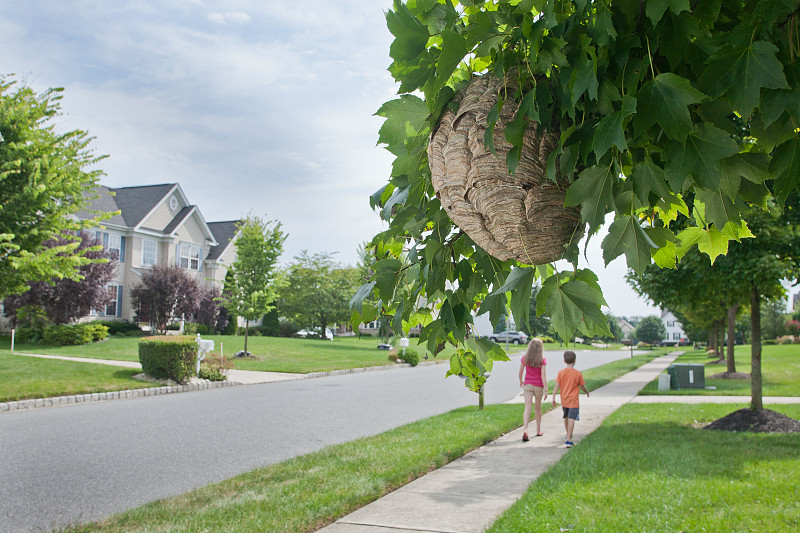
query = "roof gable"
x=225 y=234
x=137 y=203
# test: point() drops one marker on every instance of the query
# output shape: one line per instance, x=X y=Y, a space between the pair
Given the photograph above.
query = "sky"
x=257 y=107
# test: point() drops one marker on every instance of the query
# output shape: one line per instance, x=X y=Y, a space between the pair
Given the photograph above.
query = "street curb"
x=58 y=401
x=74 y=399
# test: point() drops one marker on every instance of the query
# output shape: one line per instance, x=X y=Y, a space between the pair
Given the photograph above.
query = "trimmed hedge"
x=172 y=357
x=120 y=327
x=74 y=334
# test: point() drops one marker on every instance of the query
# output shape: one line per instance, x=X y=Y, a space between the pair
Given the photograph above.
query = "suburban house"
x=675 y=334
x=626 y=328
x=157 y=224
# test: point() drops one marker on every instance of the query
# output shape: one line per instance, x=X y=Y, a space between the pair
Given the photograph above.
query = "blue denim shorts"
x=571 y=412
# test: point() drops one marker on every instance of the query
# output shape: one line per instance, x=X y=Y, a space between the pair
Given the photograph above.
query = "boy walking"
x=570 y=381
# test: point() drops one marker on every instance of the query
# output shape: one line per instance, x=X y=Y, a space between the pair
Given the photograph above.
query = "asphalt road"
x=71 y=464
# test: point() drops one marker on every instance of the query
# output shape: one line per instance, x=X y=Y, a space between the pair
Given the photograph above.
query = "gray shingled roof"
x=223 y=232
x=106 y=203
x=137 y=202
x=179 y=218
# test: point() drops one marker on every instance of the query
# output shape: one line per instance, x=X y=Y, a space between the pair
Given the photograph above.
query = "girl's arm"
x=521 y=370
x=555 y=391
x=544 y=381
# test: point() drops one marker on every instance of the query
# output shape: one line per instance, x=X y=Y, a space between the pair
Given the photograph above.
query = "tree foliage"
x=317 y=291
x=651 y=330
x=252 y=287
x=165 y=294
x=43 y=181
x=65 y=300
x=649 y=99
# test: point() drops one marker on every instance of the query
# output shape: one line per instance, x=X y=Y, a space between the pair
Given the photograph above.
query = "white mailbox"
x=203 y=347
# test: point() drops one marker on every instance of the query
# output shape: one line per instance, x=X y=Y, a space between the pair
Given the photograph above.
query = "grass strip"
x=780 y=367
x=651 y=468
x=23 y=378
x=310 y=491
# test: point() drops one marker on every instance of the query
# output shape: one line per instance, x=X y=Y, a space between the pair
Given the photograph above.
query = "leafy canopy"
x=649 y=99
x=44 y=181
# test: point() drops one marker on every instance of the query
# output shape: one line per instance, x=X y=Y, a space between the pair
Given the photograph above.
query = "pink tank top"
x=533 y=375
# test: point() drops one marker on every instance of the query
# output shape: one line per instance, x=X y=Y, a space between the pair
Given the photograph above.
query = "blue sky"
x=255 y=106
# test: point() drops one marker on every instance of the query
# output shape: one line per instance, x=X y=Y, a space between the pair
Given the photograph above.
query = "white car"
x=314 y=333
x=514 y=337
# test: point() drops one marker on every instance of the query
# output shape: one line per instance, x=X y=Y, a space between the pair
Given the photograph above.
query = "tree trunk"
x=719 y=330
x=755 y=350
x=480 y=398
x=731 y=336
x=712 y=338
x=246 y=328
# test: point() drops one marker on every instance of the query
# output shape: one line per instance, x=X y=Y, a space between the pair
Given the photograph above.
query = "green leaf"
x=593 y=191
x=519 y=277
x=648 y=178
x=405 y=116
x=361 y=294
x=713 y=243
x=575 y=305
x=743 y=71
x=454 y=48
x=699 y=157
x=583 y=79
x=626 y=236
x=786 y=166
x=411 y=36
x=719 y=208
x=665 y=100
x=656 y=8
x=610 y=130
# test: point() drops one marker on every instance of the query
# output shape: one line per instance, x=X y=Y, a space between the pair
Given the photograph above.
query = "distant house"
x=626 y=327
x=158 y=225
x=675 y=335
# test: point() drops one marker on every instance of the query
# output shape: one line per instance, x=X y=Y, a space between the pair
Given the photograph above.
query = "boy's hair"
x=569 y=357
x=534 y=355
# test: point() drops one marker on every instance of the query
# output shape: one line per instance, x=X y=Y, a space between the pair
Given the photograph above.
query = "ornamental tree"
x=640 y=106
x=65 y=300
x=251 y=289
x=164 y=294
x=44 y=181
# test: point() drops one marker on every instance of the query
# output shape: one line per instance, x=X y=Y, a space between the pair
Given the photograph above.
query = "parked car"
x=514 y=337
x=315 y=332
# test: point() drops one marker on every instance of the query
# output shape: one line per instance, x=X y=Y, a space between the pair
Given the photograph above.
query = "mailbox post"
x=203 y=347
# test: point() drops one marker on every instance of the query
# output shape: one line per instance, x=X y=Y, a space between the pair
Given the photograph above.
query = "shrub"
x=168 y=357
x=410 y=356
x=120 y=327
x=287 y=328
x=270 y=324
x=74 y=334
x=251 y=332
x=214 y=368
x=786 y=339
x=28 y=335
x=175 y=326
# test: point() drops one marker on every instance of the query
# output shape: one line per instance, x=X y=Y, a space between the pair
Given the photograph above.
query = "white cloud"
x=224 y=18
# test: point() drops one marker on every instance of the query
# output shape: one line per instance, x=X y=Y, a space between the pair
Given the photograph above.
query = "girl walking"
x=534 y=385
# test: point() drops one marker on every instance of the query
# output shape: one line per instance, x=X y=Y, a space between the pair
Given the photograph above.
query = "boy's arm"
x=583 y=387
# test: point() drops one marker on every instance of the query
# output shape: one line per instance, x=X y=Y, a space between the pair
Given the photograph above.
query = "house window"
x=149 y=252
x=676 y=336
x=113 y=244
x=114 y=307
x=189 y=256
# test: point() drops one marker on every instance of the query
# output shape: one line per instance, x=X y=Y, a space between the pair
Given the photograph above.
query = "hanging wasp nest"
x=518 y=217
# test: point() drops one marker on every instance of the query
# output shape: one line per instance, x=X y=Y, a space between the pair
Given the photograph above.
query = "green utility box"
x=687 y=376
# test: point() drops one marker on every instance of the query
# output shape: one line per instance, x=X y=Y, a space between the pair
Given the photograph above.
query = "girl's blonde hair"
x=534 y=355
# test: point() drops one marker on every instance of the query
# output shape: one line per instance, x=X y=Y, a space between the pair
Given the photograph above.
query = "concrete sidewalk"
x=467 y=495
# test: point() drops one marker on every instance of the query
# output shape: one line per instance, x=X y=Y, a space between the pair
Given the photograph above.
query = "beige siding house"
x=157 y=224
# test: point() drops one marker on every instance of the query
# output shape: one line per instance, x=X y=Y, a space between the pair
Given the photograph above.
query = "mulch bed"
x=765 y=421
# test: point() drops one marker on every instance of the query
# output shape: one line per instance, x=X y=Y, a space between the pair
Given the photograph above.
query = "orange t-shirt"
x=569 y=380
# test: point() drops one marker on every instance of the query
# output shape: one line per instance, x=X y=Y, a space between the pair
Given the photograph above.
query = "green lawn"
x=780 y=367
x=647 y=468
x=24 y=378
